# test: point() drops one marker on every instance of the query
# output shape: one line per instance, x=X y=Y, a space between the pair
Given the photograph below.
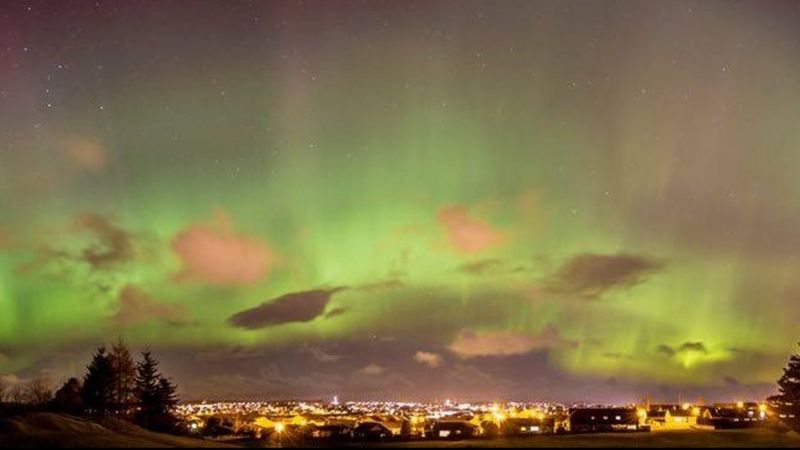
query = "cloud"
x=491 y=266
x=9 y=379
x=693 y=347
x=371 y=370
x=216 y=253
x=110 y=245
x=731 y=381
x=86 y=153
x=335 y=312
x=137 y=307
x=466 y=233
x=429 y=359
x=480 y=267
x=322 y=356
x=469 y=344
x=686 y=347
x=666 y=350
x=113 y=244
x=294 y=307
x=591 y=275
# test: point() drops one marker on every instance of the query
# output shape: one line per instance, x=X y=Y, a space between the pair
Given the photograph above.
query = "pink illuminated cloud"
x=467 y=233
x=470 y=344
x=87 y=153
x=216 y=253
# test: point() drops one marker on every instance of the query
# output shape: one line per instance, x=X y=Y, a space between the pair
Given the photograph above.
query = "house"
x=329 y=432
x=672 y=416
x=591 y=420
x=527 y=426
x=372 y=431
x=724 y=417
x=453 y=429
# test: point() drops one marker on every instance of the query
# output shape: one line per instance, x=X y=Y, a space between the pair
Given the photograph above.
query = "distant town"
x=301 y=423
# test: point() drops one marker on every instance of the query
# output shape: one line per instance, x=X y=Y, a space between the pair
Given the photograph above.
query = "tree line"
x=114 y=385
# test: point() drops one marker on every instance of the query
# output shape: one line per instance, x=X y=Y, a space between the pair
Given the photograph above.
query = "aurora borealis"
x=412 y=200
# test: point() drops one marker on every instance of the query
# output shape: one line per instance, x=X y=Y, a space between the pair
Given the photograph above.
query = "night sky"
x=404 y=200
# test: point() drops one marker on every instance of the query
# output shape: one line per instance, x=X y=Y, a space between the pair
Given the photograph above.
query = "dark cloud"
x=294 y=307
x=110 y=245
x=666 y=350
x=137 y=307
x=686 y=347
x=335 y=312
x=592 y=275
x=113 y=244
x=491 y=266
x=731 y=381
x=692 y=347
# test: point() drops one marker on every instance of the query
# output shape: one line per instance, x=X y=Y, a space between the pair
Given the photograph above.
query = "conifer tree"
x=124 y=378
x=787 y=403
x=68 y=398
x=97 y=393
x=156 y=396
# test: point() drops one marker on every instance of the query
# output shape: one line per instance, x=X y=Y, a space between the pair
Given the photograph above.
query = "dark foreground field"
x=687 y=438
x=62 y=431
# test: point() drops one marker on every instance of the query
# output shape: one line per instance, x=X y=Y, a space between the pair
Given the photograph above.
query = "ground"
x=55 y=430
x=63 y=431
x=761 y=437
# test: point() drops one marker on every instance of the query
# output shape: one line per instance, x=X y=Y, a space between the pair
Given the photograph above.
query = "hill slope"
x=63 y=431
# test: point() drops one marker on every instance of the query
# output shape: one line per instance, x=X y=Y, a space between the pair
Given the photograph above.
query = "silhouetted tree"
x=97 y=393
x=69 y=399
x=123 y=371
x=156 y=396
x=17 y=394
x=787 y=403
x=38 y=392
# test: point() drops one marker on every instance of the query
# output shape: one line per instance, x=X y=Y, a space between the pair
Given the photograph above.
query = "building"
x=593 y=420
x=329 y=432
x=372 y=431
x=527 y=426
x=736 y=416
x=453 y=429
x=672 y=416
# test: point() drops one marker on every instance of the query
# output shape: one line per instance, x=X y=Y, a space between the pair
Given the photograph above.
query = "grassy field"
x=61 y=431
x=760 y=437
